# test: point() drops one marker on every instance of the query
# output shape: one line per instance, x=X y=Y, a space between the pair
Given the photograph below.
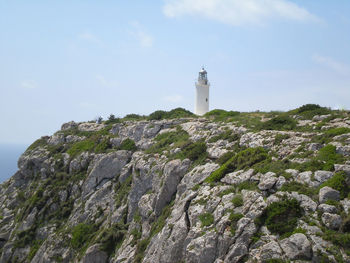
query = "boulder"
x=327 y=208
x=267 y=181
x=332 y=221
x=238 y=177
x=328 y=193
x=297 y=246
x=269 y=251
x=322 y=176
x=95 y=255
x=69 y=125
x=304 y=177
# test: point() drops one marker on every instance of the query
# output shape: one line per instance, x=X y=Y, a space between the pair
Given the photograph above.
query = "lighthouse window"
x=206 y=99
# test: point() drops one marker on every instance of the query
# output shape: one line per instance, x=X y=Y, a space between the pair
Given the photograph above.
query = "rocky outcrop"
x=169 y=191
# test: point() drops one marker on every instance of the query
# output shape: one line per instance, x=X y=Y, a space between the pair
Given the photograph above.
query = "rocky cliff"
x=230 y=187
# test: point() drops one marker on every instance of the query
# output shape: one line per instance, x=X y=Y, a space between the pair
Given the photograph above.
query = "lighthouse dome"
x=203 y=70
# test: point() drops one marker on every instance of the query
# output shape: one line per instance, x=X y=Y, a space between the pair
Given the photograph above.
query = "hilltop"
x=175 y=187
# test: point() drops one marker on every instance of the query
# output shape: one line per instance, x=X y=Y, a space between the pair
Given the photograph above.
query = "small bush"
x=225 y=157
x=81 y=233
x=128 y=145
x=281 y=123
x=163 y=141
x=112 y=237
x=227 y=135
x=206 y=219
x=133 y=117
x=242 y=160
x=279 y=138
x=221 y=115
x=281 y=217
x=299 y=188
x=194 y=151
x=308 y=111
x=158 y=115
x=247 y=185
x=234 y=218
x=237 y=200
x=173 y=114
x=38 y=143
x=339 y=183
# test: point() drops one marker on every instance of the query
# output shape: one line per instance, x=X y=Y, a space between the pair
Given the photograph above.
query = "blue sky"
x=75 y=60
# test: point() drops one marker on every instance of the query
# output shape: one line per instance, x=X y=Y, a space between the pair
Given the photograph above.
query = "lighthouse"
x=202 y=93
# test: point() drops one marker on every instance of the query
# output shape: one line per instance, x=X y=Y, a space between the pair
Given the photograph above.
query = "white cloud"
x=145 y=40
x=173 y=98
x=90 y=37
x=331 y=63
x=239 y=12
x=29 y=84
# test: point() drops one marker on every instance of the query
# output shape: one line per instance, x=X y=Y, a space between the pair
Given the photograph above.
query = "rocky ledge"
x=229 y=187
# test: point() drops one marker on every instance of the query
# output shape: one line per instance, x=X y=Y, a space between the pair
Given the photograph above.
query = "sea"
x=9 y=154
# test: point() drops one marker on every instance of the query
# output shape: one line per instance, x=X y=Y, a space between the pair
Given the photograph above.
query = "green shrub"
x=281 y=217
x=112 y=238
x=345 y=227
x=325 y=160
x=337 y=238
x=158 y=115
x=299 y=188
x=227 y=135
x=282 y=122
x=193 y=151
x=328 y=135
x=133 y=117
x=82 y=146
x=279 y=138
x=128 y=145
x=339 y=183
x=221 y=115
x=225 y=157
x=308 y=111
x=206 y=219
x=122 y=191
x=227 y=191
x=173 y=114
x=38 y=143
x=33 y=249
x=25 y=237
x=336 y=131
x=234 y=218
x=81 y=233
x=237 y=200
x=329 y=156
x=242 y=160
x=163 y=141
x=247 y=185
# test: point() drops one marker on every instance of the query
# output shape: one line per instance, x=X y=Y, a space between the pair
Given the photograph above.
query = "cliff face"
x=182 y=190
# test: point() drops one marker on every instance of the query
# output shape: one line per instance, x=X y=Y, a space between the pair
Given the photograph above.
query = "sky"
x=64 y=60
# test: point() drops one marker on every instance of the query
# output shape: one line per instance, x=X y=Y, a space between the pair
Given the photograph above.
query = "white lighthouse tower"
x=202 y=93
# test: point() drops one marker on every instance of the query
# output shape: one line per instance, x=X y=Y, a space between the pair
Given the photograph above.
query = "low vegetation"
x=242 y=160
x=281 y=217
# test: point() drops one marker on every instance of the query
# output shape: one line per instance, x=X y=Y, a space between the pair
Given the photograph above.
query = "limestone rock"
x=332 y=221
x=327 y=208
x=297 y=246
x=267 y=181
x=238 y=177
x=328 y=193
x=94 y=255
x=109 y=166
